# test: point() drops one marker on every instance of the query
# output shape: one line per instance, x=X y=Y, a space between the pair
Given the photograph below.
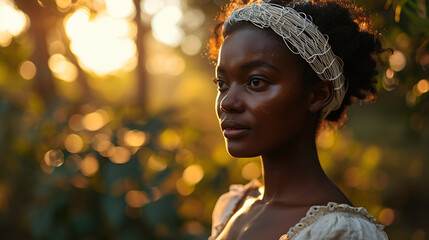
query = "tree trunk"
x=141 y=91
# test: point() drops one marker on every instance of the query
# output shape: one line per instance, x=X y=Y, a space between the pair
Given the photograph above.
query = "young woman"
x=284 y=68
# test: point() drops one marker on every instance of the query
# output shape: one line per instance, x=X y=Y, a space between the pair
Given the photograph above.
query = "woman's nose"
x=232 y=102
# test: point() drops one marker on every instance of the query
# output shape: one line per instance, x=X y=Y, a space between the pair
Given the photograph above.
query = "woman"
x=279 y=78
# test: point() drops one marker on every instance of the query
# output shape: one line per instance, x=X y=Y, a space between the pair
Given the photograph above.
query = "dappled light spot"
x=89 y=165
x=193 y=174
x=390 y=73
x=120 y=155
x=194 y=228
x=63 y=5
x=79 y=181
x=95 y=120
x=152 y=6
x=13 y=22
x=220 y=155
x=371 y=157
x=183 y=188
x=75 y=122
x=423 y=86
x=134 y=138
x=27 y=70
x=191 y=45
x=386 y=216
x=73 y=143
x=120 y=8
x=136 y=199
x=156 y=164
x=54 y=158
x=397 y=61
x=251 y=171
x=62 y=68
x=103 y=44
x=165 y=26
x=170 y=139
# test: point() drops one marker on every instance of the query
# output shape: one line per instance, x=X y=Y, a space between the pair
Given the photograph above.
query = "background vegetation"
x=108 y=131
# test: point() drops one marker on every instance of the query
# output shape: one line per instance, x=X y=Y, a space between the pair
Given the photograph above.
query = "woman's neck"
x=292 y=172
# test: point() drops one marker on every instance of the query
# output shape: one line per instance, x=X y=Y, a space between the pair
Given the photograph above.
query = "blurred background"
x=108 y=129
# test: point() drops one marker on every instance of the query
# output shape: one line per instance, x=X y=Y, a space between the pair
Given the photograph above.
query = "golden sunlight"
x=103 y=44
x=62 y=68
x=120 y=8
x=165 y=26
x=12 y=22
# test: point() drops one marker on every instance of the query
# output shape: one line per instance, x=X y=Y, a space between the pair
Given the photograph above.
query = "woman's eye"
x=257 y=83
x=221 y=85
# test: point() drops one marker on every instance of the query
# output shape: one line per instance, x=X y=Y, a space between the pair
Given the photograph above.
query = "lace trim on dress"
x=315 y=213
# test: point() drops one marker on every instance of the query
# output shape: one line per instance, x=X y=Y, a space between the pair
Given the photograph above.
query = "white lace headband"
x=302 y=37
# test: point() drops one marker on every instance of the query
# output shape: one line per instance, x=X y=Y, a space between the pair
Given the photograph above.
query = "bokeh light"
x=73 y=143
x=89 y=165
x=398 y=61
x=165 y=26
x=156 y=164
x=120 y=8
x=54 y=158
x=251 y=171
x=103 y=44
x=62 y=68
x=193 y=174
x=119 y=155
x=13 y=22
x=95 y=120
x=386 y=216
x=134 y=138
x=27 y=70
x=136 y=199
x=170 y=139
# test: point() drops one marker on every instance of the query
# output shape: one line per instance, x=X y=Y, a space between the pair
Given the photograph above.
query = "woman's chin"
x=240 y=153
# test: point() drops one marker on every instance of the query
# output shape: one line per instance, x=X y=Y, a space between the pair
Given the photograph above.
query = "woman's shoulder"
x=230 y=202
x=336 y=221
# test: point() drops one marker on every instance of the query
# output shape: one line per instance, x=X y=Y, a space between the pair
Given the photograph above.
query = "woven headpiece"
x=302 y=37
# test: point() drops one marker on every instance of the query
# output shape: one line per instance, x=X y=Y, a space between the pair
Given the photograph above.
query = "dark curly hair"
x=350 y=36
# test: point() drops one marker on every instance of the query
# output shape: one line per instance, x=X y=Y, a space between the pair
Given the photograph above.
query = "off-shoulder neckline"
x=315 y=212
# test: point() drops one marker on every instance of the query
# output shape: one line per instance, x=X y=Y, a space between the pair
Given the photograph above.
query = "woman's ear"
x=320 y=95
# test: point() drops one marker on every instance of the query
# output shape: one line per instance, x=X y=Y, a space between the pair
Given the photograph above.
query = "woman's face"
x=261 y=103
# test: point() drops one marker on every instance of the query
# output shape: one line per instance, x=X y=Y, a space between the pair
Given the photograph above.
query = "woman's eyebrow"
x=254 y=64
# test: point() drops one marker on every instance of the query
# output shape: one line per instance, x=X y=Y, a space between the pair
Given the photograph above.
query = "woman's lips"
x=235 y=133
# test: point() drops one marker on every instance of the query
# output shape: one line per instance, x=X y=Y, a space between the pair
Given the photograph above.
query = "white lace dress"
x=333 y=221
